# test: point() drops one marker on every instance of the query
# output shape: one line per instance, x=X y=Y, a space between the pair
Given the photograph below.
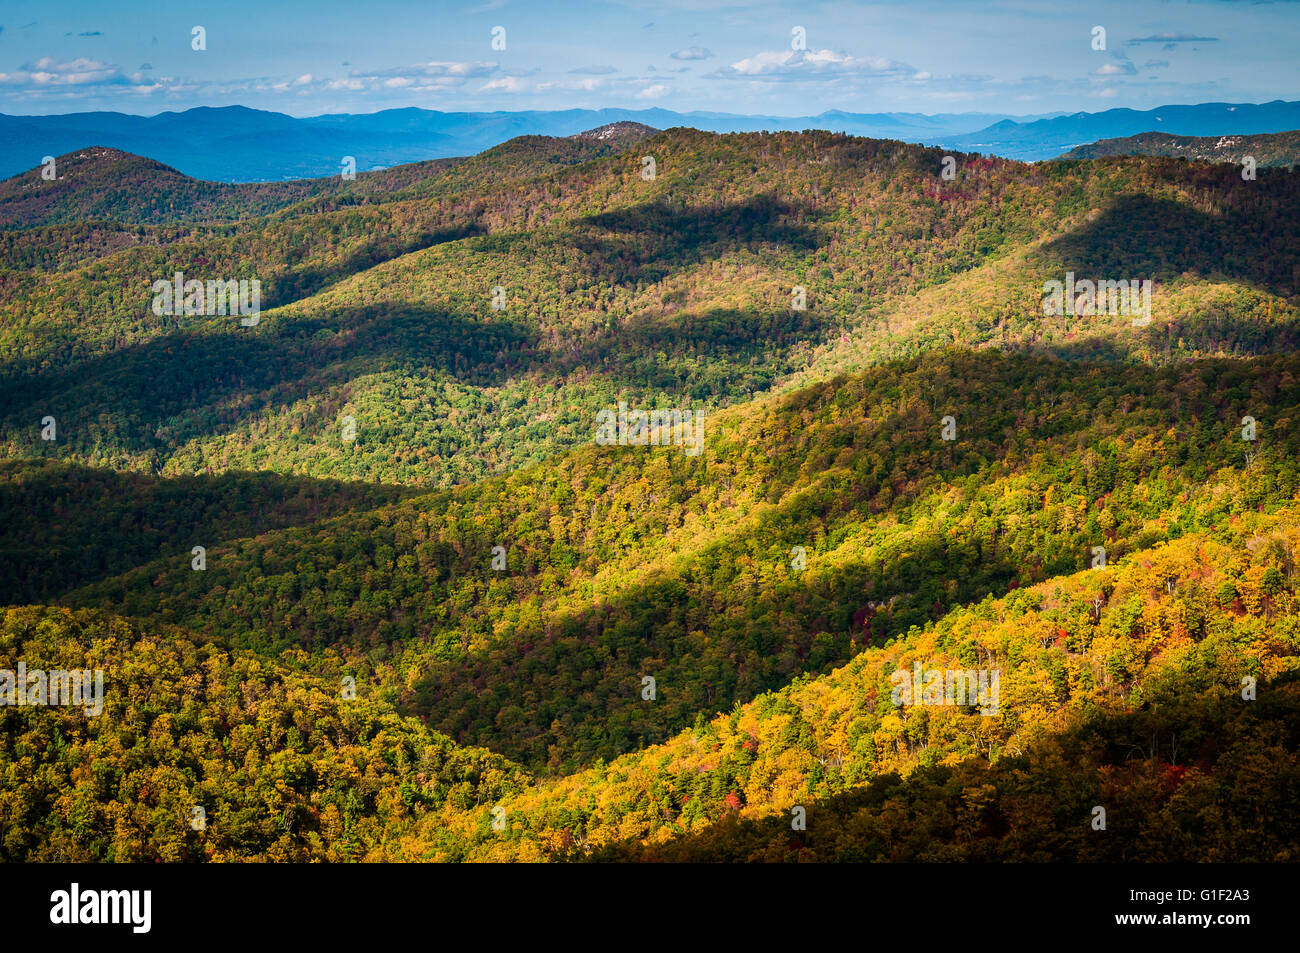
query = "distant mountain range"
x=1271 y=149
x=1048 y=138
x=237 y=144
x=434 y=348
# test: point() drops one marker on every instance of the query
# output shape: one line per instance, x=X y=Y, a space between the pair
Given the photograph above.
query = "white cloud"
x=48 y=78
x=435 y=76
x=692 y=53
x=505 y=84
x=432 y=75
x=47 y=71
x=304 y=80
x=812 y=64
x=1115 y=69
x=1170 y=38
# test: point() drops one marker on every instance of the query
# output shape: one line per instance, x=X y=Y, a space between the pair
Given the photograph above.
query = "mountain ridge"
x=233 y=144
x=1049 y=138
x=1279 y=149
x=504 y=638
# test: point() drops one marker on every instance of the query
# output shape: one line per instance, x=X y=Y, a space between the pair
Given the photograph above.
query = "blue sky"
x=307 y=58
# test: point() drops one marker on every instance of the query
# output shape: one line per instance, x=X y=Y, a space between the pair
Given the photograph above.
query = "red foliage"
x=1172 y=774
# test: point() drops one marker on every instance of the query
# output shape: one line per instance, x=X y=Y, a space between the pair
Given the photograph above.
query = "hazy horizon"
x=932 y=58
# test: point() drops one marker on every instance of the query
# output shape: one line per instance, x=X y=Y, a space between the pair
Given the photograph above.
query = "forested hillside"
x=99 y=184
x=67 y=525
x=283 y=767
x=1121 y=688
x=620 y=566
x=668 y=291
x=1267 y=149
x=560 y=649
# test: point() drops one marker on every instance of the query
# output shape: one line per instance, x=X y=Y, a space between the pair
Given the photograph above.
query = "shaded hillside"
x=66 y=525
x=672 y=290
x=568 y=648
x=1120 y=688
x=623 y=562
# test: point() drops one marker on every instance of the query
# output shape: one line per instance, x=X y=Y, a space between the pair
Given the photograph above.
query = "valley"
x=458 y=500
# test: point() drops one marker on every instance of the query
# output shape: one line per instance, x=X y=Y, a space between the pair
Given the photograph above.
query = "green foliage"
x=626 y=562
x=68 y=525
x=372 y=558
x=1267 y=149
x=1182 y=763
x=676 y=290
x=284 y=767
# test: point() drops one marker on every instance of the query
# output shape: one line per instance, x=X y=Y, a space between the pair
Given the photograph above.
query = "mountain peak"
x=101 y=155
x=622 y=131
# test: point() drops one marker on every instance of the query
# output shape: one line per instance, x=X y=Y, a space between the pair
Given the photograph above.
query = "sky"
x=787 y=59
